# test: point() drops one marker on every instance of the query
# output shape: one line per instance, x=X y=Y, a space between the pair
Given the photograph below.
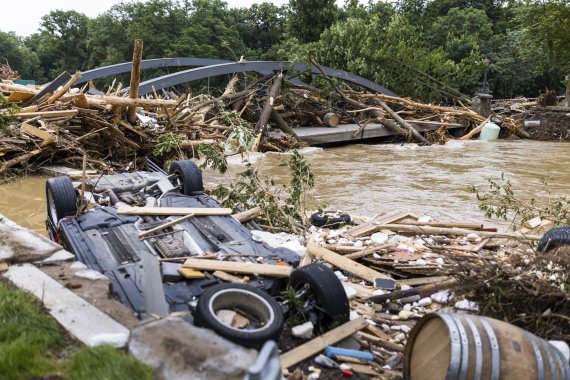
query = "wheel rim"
x=52 y=212
x=247 y=304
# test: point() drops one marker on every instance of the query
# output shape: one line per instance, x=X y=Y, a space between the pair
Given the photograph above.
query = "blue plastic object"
x=331 y=351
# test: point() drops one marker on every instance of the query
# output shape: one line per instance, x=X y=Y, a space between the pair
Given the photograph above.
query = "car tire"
x=328 y=220
x=327 y=289
x=61 y=199
x=254 y=302
x=189 y=175
x=556 y=237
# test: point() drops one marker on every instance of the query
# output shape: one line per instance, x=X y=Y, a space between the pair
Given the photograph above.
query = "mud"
x=554 y=125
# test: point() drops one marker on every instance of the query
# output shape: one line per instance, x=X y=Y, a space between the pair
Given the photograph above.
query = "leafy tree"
x=309 y=18
x=260 y=26
x=19 y=57
x=61 y=43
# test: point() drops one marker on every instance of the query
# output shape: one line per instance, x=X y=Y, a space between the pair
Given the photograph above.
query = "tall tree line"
x=418 y=48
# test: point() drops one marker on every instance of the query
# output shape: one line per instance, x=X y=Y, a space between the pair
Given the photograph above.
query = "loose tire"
x=329 y=220
x=259 y=305
x=189 y=176
x=329 y=294
x=61 y=199
x=555 y=237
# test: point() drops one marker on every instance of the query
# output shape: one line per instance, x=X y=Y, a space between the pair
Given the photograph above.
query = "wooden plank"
x=247 y=215
x=62 y=90
x=424 y=280
x=34 y=131
x=343 y=263
x=313 y=347
x=382 y=339
x=224 y=276
x=174 y=211
x=82 y=320
x=239 y=267
x=18 y=96
x=372 y=225
x=457 y=231
x=47 y=114
x=163 y=226
x=190 y=273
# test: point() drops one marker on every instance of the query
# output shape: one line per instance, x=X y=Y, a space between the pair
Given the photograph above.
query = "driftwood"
x=135 y=79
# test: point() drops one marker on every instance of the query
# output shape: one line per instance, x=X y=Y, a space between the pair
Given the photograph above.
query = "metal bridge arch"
x=215 y=67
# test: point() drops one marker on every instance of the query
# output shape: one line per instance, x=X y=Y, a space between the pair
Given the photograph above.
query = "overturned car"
x=139 y=228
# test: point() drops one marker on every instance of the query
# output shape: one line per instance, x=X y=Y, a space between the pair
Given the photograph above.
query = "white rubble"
x=304 y=331
x=90 y=274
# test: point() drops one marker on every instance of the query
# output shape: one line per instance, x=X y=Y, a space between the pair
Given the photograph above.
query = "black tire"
x=61 y=199
x=254 y=302
x=556 y=237
x=189 y=175
x=327 y=289
x=327 y=219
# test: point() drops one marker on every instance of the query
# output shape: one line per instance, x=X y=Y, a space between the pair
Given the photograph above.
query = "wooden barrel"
x=446 y=346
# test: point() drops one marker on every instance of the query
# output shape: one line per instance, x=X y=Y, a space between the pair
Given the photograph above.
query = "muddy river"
x=366 y=179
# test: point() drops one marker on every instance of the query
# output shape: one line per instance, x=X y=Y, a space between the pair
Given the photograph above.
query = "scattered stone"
x=350 y=292
x=345 y=367
x=405 y=329
x=304 y=331
x=467 y=305
x=59 y=256
x=400 y=337
x=473 y=238
x=326 y=361
x=407 y=307
x=425 y=302
x=90 y=274
x=340 y=275
x=443 y=296
x=405 y=315
x=77 y=265
x=379 y=238
x=176 y=349
x=424 y=219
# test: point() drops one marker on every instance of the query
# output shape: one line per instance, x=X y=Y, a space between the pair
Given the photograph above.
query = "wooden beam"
x=163 y=226
x=135 y=80
x=343 y=263
x=59 y=93
x=313 y=347
x=47 y=114
x=456 y=231
x=174 y=211
x=224 y=276
x=247 y=215
x=239 y=267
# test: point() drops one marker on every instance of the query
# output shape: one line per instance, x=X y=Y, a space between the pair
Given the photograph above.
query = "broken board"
x=239 y=267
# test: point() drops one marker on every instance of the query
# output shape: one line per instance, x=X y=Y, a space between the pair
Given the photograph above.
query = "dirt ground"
x=554 y=125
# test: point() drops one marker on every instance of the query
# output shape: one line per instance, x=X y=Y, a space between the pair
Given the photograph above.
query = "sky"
x=25 y=16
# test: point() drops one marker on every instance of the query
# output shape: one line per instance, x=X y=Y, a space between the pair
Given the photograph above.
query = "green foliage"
x=106 y=362
x=282 y=206
x=416 y=48
x=26 y=335
x=30 y=343
x=309 y=18
x=167 y=143
x=7 y=115
x=213 y=157
x=500 y=201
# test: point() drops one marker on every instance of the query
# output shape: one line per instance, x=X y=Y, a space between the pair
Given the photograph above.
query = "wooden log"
x=163 y=226
x=268 y=106
x=456 y=231
x=403 y=123
x=450 y=224
x=282 y=124
x=366 y=252
x=474 y=131
x=345 y=264
x=173 y=211
x=313 y=347
x=239 y=267
x=47 y=114
x=20 y=159
x=101 y=101
x=247 y=215
x=59 y=93
x=331 y=119
x=135 y=80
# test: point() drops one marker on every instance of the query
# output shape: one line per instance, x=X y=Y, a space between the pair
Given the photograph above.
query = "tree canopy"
x=419 y=48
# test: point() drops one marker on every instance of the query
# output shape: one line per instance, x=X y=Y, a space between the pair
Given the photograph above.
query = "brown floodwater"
x=367 y=179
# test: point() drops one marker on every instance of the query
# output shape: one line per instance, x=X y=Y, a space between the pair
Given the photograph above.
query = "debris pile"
x=59 y=124
x=397 y=267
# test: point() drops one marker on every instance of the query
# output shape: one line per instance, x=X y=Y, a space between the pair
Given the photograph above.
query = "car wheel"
x=189 y=176
x=317 y=283
x=261 y=318
x=61 y=199
x=555 y=237
x=330 y=220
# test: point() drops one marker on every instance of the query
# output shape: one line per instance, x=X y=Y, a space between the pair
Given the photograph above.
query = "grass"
x=32 y=345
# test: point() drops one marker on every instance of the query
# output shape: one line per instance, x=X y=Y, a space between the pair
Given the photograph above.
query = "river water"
x=367 y=179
